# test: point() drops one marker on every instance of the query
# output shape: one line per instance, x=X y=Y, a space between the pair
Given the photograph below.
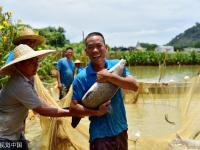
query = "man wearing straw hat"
x=19 y=95
x=78 y=66
x=28 y=37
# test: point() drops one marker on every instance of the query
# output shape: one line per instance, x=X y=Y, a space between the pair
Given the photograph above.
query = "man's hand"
x=103 y=75
x=103 y=108
x=73 y=113
x=59 y=86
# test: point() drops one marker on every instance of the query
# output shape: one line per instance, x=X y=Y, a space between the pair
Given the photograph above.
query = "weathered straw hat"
x=27 y=34
x=22 y=52
x=77 y=61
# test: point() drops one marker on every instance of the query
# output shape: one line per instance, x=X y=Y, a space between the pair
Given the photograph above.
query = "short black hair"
x=66 y=49
x=69 y=48
x=93 y=34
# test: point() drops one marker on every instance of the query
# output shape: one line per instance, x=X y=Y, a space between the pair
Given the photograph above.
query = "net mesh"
x=57 y=133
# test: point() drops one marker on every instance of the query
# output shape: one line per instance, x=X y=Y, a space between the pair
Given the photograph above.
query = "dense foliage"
x=157 y=58
x=7 y=34
x=54 y=37
x=148 y=47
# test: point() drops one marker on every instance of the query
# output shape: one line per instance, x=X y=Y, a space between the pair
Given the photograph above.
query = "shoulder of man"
x=82 y=73
x=61 y=60
x=17 y=83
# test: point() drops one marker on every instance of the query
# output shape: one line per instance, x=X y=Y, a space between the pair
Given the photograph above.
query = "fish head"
x=123 y=62
x=119 y=67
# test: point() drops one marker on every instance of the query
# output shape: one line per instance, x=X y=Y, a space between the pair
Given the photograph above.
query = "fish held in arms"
x=100 y=92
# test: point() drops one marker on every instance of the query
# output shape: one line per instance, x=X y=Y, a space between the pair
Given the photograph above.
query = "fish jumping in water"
x=166 y=118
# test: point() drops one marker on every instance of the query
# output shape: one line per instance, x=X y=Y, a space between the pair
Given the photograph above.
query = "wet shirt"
x=66 y=68
x=16 y=98
x=112 y=123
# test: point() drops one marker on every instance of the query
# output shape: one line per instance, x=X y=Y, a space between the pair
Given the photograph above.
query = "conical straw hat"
x=23 y=52
x=77 y=61
x=28 y=34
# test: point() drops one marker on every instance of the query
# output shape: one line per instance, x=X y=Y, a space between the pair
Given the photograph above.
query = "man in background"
x=78 y=65
x=65 y=73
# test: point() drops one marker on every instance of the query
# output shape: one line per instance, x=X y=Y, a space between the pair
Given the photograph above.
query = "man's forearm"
x=58 y=76
x=52 y=112
x=128 y=83
x=77 y=108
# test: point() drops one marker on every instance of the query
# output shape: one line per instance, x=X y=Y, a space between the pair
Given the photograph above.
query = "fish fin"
x=75 y=121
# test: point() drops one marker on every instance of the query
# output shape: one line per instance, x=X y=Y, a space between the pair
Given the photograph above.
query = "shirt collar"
x=92 y=71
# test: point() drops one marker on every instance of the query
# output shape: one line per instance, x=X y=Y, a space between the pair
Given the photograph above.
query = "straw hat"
x=77 y=61
x=27 y=34
x=22 y=52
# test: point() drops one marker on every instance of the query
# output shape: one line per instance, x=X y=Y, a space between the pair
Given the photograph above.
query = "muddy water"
x=147 y=118
x=152 y=73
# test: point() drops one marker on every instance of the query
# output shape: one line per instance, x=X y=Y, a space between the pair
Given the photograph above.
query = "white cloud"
x=122 y=22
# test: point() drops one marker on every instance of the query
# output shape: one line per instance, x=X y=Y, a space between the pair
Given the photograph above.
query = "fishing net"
x=157 y=115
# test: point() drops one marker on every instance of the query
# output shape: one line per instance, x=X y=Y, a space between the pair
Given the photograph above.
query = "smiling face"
x=96 y=51
x=69 y=53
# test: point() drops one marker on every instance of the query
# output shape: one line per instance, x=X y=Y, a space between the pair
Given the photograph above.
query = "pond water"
x=152 y=73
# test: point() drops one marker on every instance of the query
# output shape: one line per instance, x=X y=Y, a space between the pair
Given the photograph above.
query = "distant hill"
x=189 y=38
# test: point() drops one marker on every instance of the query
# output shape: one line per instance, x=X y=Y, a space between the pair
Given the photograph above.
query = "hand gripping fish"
x=100 y=92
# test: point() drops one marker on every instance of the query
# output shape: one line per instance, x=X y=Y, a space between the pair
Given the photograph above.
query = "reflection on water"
x=176 y=73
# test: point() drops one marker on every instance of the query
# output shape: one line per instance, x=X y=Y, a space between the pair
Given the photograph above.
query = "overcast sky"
x=123 y=22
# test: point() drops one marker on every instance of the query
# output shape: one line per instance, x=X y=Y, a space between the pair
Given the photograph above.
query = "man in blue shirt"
x=108 y=131
x=65 y=73
x=78 y=66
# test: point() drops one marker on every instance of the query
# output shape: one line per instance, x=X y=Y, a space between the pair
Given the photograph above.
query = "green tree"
x=149 y=47
x=54 y=37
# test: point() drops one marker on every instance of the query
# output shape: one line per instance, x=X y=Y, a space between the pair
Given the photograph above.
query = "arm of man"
x=47 y=110
x=77 y=108
x=127 y=82
x=58 y=79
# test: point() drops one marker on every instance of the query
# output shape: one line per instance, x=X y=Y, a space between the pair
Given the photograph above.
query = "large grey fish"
x=100 y=92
